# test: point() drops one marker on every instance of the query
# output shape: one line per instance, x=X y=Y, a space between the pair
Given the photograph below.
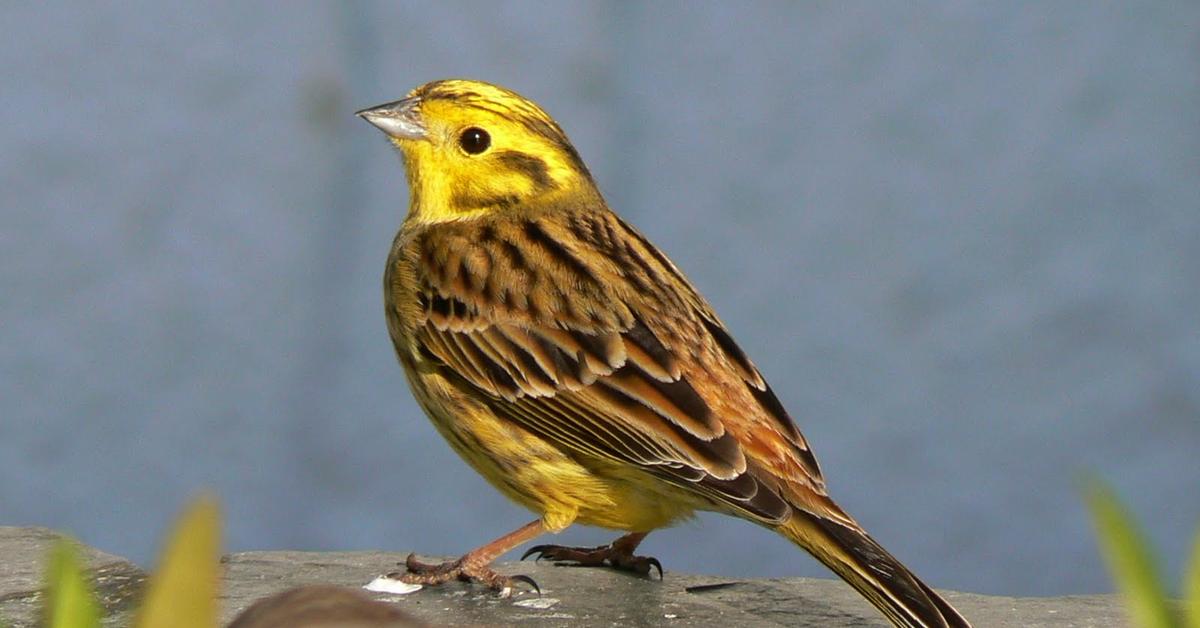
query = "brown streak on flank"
x=532 y=167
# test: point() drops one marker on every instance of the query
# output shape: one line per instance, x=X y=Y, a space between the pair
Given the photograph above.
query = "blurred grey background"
x=962 y=240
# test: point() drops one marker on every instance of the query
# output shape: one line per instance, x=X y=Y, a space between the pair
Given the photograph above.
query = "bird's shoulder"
x=562 y=265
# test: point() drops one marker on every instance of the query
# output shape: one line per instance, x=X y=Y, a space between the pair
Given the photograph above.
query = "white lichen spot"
x=537 y=602
x=384 y=584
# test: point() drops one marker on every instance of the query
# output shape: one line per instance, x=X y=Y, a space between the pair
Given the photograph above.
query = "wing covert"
x=571 y=356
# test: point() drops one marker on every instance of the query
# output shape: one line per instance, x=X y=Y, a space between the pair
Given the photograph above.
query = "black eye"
x=474 y=140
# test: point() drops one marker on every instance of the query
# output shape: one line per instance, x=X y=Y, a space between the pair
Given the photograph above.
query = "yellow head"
x=471 y=148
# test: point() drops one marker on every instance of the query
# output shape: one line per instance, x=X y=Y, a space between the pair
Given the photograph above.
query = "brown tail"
x=870 y=569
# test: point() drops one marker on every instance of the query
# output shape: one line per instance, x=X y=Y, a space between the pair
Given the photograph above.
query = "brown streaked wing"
x=642 y=253
x=575 y=362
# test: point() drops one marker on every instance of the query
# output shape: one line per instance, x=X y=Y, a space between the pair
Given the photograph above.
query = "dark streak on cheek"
x=528 y=166
x=533 y=168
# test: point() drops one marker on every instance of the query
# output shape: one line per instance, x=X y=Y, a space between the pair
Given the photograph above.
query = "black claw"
x=536 y=549
x=529 y=581
x=653 y=562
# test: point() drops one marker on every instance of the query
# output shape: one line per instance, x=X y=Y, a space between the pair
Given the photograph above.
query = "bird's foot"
x=465 y=569
x=615 y=555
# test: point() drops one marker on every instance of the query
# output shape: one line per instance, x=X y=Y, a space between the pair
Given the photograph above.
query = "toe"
x=653 y=562
x=416 y=566
x=540 y=550
x=526 y=580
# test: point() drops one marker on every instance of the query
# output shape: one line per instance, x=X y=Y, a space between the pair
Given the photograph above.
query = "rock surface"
x=22 y=560
x=570 y=596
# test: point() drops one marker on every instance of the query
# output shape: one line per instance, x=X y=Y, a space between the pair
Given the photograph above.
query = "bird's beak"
x=400 y=119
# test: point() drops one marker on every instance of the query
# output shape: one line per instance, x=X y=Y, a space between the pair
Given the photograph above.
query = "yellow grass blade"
x=1129 y=559
x=1191 y=586
x=182 y=593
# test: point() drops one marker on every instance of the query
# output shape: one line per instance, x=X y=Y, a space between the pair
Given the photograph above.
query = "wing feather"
x=587 y=353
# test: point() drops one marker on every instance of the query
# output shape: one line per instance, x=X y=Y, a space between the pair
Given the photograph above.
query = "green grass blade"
x=69 y=599
x=1191 y=586
x=1129 y=559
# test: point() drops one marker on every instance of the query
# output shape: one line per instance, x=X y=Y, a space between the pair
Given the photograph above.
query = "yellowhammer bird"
x=568 y=361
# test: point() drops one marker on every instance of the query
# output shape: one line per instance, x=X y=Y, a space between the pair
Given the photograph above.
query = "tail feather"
x=949 y=613
x=875 y=573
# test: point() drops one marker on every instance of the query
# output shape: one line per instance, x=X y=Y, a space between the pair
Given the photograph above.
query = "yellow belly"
x=561 y=489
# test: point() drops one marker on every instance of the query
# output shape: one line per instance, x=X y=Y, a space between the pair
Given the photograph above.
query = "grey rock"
x=570 y=596
x=574 y=596
x=23 y=554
